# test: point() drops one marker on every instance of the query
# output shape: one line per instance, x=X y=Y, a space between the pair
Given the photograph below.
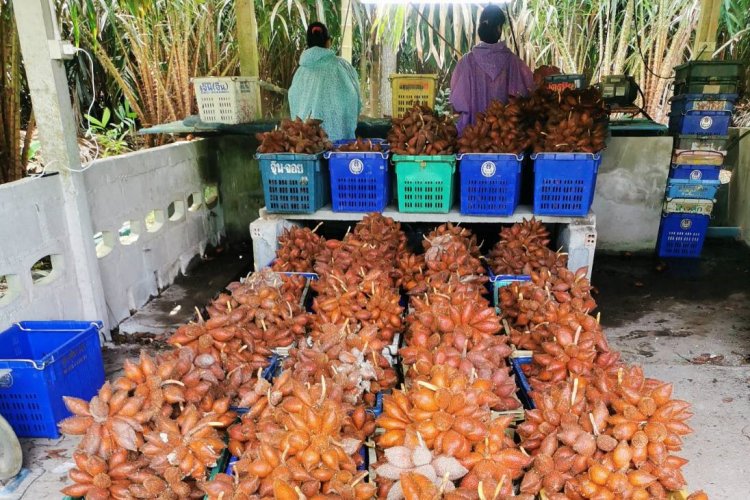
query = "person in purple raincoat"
x=489 y=72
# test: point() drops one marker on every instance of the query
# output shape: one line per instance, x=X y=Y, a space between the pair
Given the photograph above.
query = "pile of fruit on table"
x=447 y=426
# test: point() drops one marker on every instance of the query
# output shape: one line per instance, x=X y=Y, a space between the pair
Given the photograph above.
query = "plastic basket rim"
x=235 y=78
x=517 y=157
x=704 y=97
x=290 y=156
x=366 y=154
x=398 y=157
x=49 y=359
x=706 y=112
x=593 y=156
x=691 y=181
x=394 y=76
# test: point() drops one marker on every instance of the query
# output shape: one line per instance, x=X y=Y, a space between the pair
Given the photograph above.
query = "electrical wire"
x=640 y=49
x=88 y=134
x=91 y=107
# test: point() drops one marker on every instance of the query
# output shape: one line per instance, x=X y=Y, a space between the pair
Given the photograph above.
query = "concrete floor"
x=667 y=318
x=670 y=319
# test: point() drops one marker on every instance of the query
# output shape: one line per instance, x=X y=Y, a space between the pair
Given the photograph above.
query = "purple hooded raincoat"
x=489 y=72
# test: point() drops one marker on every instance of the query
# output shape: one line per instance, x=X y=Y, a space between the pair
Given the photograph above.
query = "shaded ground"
x=689 y=323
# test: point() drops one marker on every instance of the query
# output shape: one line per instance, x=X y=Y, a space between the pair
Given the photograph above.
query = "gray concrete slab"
x=176 y=305
x=671 y=318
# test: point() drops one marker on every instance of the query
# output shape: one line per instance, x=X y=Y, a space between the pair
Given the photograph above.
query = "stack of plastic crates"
x=705 y=92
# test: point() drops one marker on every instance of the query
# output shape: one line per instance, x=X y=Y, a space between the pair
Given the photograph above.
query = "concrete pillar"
x=50 y=95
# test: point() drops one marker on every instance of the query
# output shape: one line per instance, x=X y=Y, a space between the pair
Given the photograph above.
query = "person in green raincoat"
x=325 y=87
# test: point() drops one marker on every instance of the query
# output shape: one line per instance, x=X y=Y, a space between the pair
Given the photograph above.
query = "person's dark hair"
x=317 y=35
x=490 y=22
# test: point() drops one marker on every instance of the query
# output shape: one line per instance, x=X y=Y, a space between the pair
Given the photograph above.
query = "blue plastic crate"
x=42 y=361
x=703 y=102
x=498 y=281
x=564 y=183
x=359 y=180
x=695 y=172
x=686 y=188
x=700 y=123
x=294 y=183
x=682 y=235
x=490 y=183
x=524 y=388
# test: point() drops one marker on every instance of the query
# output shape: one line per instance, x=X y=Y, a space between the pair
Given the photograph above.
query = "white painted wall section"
x=127 y=189
x=33 y=226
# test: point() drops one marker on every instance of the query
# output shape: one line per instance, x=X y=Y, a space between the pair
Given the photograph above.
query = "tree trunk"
x=375 y=79
x=388 y=66
x=247 y=38
x=10 y=98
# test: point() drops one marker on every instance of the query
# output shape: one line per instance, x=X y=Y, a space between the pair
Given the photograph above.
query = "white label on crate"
x=696 y=175
x=214 y=88
x=356 y=166
x=286 y=168
x=686 y=224
x=725 y=176
x=488 y=168
x=706 y=122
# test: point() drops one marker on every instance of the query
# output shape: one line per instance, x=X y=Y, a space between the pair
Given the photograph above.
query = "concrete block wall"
x=120 y=189
x=738 y=159
x=32 y=227
x=630 y=192
x=139 y=186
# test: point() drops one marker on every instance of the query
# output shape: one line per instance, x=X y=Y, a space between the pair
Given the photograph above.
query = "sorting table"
x=578 y=237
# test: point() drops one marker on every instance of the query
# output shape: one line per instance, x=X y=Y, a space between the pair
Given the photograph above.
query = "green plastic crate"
x=425 y=183
x=708 y=70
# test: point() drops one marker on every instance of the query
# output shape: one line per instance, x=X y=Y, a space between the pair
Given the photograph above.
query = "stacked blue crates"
x=705 y=92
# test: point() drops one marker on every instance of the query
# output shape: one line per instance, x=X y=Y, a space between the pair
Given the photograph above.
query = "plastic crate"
x=686 y=188
x=42 y=361
x=702 y=143
x=524 y=388
x=564 y=183
x=408 y=90
x=700 y=122
x=424 y=183
x=293 y=183
x=359 y=180
x=231 y=99
x=490 y=183
x=688 y=206
x=681 y=157
x=695 y=172
x=703 y=102
x=682 y=235
x=708 y=70
x=707 y=86
x=498 y=281
x=559 y=83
